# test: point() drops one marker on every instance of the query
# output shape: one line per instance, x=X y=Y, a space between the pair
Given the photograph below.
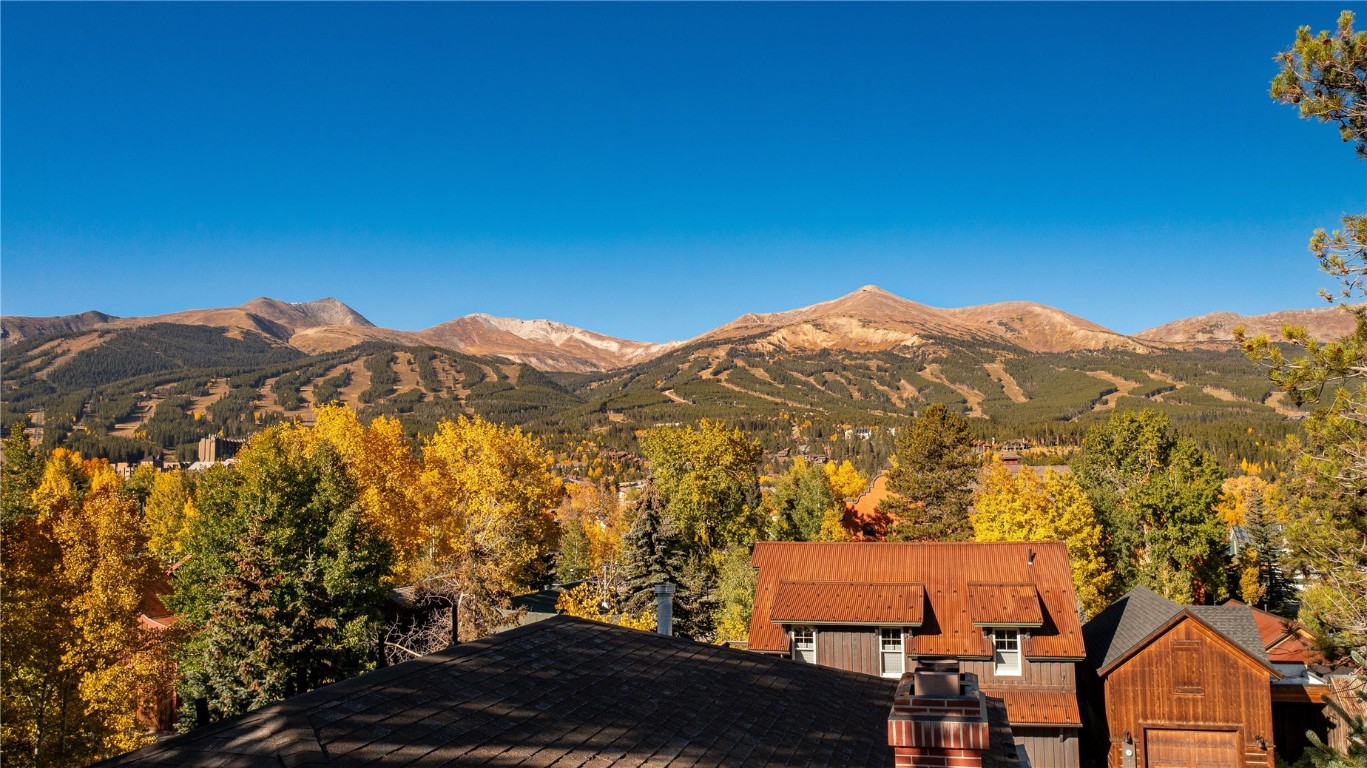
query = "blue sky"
x=652 y=171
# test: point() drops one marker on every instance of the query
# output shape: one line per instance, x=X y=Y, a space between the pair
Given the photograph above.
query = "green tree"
x=708 y=478
x=283 y=589
x=1265 y=539
x=932 y=478
x=653 y=553
x=1325 y=529
x=800 y=500
x=572 y=562
x=1325 y=75
x=1155 y=496
x=736 y=594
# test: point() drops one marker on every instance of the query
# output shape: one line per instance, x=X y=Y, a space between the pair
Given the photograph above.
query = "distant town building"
x=215 y=449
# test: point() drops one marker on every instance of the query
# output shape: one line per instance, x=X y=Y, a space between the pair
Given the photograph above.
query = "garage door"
x=1192 y=749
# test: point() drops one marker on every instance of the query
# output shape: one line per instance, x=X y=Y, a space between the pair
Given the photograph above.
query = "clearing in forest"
x=1123 y=388
x=973 y=397
x=1009 y=386
x=139 y=416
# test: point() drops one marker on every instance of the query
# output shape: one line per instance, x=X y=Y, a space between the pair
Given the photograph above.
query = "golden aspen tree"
x=105 y=556
x=1027 y=507
x=586 y=602
x=76 y=661
x=380 y=459
x=167 y=512
x=846 y=482
x=1239 y=492
x=489 y=499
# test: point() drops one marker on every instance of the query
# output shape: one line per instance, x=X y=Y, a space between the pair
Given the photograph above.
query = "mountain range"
x=125 y=388
x=866 y=320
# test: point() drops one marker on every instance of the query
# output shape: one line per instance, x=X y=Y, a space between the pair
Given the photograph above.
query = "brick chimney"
x=938 y=719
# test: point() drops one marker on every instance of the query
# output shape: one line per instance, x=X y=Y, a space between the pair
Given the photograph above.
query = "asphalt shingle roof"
x=1127 y=621
x=561 y=692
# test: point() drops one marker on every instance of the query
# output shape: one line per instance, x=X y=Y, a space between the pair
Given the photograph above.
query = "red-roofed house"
x=1006 y=611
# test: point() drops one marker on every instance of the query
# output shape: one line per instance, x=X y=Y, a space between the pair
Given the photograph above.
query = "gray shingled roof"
x=562 y=692
x=1127 y=621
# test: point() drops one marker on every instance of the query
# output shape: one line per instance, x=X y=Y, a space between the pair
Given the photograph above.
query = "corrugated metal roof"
x=1035 y=706
x=844 y=603
x=1286 y=641
x=945 y=570
x=1004 y=605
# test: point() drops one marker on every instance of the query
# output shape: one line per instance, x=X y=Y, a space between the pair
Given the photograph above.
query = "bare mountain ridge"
x=543 y=344
x=19 y=328
x=872 y=319
x=272 y=317
x=868 y=319
x=1323 y=323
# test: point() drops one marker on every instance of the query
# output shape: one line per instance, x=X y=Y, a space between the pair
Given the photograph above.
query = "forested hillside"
x=128 y=393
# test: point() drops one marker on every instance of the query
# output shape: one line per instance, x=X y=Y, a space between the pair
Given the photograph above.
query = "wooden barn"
x=1006 y=612
x=1169 y=685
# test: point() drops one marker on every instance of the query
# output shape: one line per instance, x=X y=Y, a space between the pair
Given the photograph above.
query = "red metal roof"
x=1004 y=605
x=1286 y=641
x=841 y=602
x=1035 y=706
x=945 y=570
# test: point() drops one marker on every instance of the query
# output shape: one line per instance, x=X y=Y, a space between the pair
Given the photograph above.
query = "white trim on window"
x=1006 y=652
x=892 y=652
x=804 y=644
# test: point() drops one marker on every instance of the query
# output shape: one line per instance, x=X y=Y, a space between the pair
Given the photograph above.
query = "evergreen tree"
x=1266 y=538
x=932 y=478
x=292 y=601
x=652 y=554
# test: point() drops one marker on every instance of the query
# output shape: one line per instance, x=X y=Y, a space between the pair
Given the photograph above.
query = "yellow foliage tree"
x=167 y=513
x=833 y=526
x=1239 y=491
x=846 y=482
x=605 y=522
x=489 y=499
x=76 y=661
x=585 y=602
x=380 y=459
x=1054 y=508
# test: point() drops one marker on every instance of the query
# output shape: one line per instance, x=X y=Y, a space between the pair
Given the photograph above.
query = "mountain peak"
x=307 y=314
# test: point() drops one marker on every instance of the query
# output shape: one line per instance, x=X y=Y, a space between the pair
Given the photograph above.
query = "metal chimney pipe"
x=664 y=608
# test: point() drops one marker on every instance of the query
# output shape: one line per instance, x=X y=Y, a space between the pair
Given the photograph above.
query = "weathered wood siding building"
x=1177 y=686
x=1007 y=612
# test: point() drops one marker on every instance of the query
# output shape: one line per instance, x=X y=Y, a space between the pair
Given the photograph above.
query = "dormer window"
x=804 y=645
x=891 y=652
x=1006 y=652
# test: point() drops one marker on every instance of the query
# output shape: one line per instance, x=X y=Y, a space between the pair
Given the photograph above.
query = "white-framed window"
x=804 y=644
x=1006 y=652
x=891 y=652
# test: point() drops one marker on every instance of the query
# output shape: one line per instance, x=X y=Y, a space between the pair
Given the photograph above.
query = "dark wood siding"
x=1034 y=674
x=1157 y=689
x=1048 y=747
x=854 y=649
